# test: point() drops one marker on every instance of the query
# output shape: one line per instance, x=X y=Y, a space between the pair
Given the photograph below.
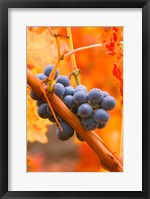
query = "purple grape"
x=95 y=96
x=41 y=76
x=85 y=110
x=89 y=123
x=34 y=96
x=64 y=80
x=48 y=69
x=101 y=125
x=80 y=97
x=80 y=88
x=69 y=90
x=68 y=100
x=66 y=133
x=100 y=115
x=59 y=89
x=108 y=103
x=42 y=111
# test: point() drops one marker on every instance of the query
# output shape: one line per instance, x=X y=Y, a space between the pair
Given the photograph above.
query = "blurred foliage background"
x=101 y=67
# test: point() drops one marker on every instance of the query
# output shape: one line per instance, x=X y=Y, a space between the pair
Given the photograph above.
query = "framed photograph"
x=74 y=103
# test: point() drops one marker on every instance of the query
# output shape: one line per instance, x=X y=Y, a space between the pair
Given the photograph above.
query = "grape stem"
x=81 y=48
x=75 y=70
x=52 y=74
x=108 y=159
x=71 y=47
x=76 y=74
x=50 y=106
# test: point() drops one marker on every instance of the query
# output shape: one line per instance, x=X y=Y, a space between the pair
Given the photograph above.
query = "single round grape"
x=108 y=103
x=48 y=69
x=69 y=90
x=80 y=88
x=41 y=76
x=66 y=133
x=100 y=115
x=68 y=100
x=89 y=123
x=85 y=110
x=79 y=137
x=64 y=80
x=34 y=96
x=95 y=96
x=101 y=125
x=80 y=97
x=59 y=89
x=42 y=111
x=39 y=102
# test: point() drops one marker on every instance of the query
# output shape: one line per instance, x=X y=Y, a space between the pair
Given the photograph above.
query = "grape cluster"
x=90 y=107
